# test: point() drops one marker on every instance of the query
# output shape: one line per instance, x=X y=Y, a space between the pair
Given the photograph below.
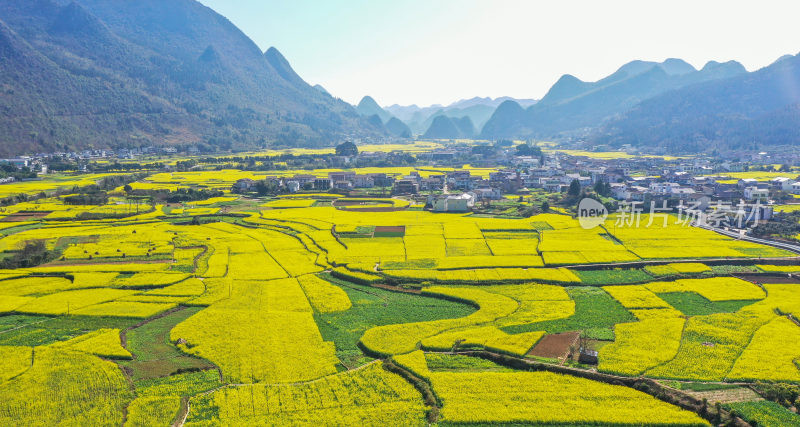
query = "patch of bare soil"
x=26 y=216
x=743 y=394
x=390 y=229
x=554 y=346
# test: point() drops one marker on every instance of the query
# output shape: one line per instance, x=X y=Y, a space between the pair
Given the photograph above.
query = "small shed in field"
x=588 y=357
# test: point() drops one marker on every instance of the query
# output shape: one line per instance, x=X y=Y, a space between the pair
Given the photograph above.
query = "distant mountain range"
x=444 y=127
x=118 y=73
x=381 y=119
x=572 y=105
x=475 y=110
x=748 y=110
x=479 y=110
x=669 y=105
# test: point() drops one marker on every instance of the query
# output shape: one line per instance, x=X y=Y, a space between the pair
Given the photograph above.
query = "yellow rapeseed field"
x=152 y=410
x=713 y=289
x=87 y=391
x=642 y=345
x=368 y=395
x=265 y=332
x=102 y=342
x=240 y=282
x=14 y=361
x=542 y=397
x=68 y=302
x=771 y=354
x=488 y=337
x=710 y=346
x=324 y=296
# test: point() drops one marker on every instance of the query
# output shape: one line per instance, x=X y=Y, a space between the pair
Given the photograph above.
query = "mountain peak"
x=635 y=67
x=510 y=107
x=276 y=58
x=273 y=51
x=320 y=88
x=566 y=87
x=368 y=101
x=278 y=62
x=444 y=127
x=677 y=67
x=729 y=67
x=75 y=19
x=670 y=66
x=568 y=79
x=368 y=107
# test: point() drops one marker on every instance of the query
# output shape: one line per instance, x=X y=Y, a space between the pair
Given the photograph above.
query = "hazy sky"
x=439 y=51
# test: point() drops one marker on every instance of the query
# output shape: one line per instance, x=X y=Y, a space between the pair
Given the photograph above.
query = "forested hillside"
x=115 y=73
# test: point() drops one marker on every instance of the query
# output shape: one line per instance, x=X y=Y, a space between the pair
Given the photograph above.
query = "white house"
x=663 y=188
x=293 y=186
x=552 y=185
x=619 y=191
x=782 y=183
x=460 y=203
x=487 y=194
x=796 y=187
x=584 y=181
x=755 y=193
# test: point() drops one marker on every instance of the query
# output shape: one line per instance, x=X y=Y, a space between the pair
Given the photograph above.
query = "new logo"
x=591 y=213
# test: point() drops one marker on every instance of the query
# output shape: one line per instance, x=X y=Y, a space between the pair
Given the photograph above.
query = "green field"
x=596 y=313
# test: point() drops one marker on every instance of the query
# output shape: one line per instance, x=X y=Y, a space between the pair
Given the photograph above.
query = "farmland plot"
x=279 y=297
x=541 y=397
x=90 y=391
x=368 y=395
x=264 y=332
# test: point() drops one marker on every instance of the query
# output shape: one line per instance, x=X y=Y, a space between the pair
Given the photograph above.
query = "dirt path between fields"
x=180 y=420
x=26 y=325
